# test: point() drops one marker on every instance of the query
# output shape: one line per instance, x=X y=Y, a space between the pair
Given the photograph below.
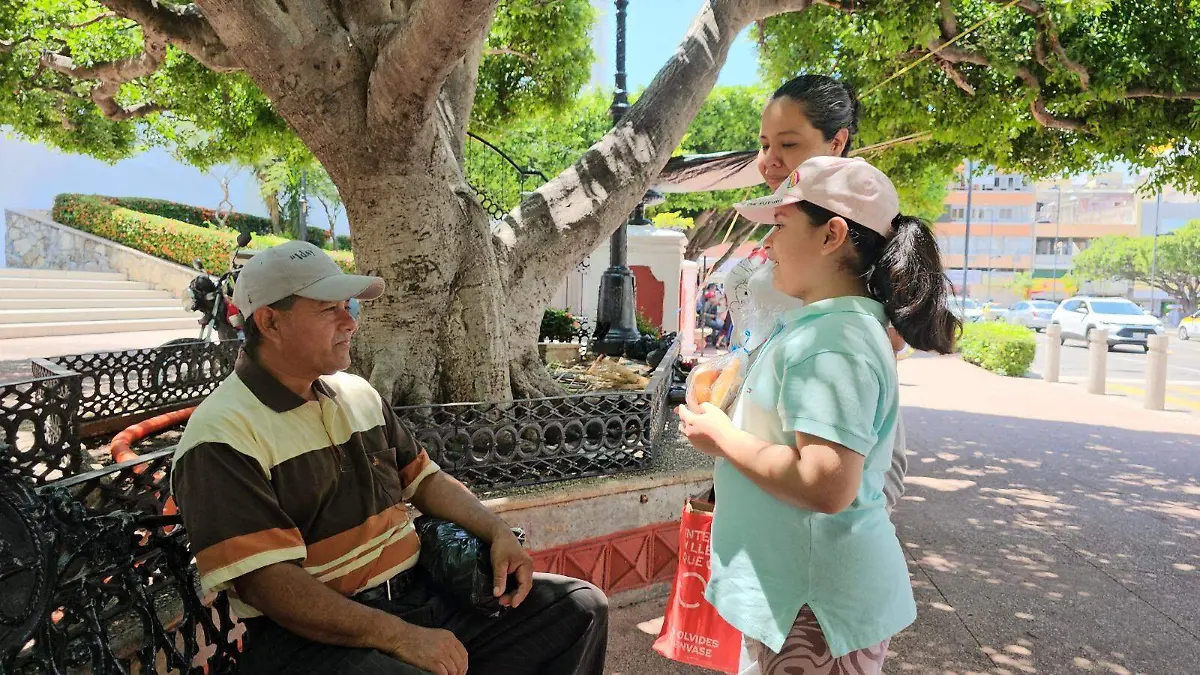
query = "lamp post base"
x=617 y=311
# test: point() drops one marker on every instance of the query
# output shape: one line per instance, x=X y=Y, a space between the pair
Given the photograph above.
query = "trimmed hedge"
x=165 y=238
x=195 y=215
x=1003 y=348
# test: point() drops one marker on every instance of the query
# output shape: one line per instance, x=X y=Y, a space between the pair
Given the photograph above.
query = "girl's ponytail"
x=908 y=280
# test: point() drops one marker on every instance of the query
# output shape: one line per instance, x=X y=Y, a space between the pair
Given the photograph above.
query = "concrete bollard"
x=1156 y=373
x=1097 y=361
x=1053 y=352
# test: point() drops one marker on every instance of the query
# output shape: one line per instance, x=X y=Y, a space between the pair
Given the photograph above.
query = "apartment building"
x=1021 y=226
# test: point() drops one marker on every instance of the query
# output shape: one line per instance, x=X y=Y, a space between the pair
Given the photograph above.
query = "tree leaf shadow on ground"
x=1049 y=547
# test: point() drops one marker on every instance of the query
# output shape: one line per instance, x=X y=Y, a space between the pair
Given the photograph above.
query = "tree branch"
x=1146 y=92
x=1037 y=107
x=112 y=75
x=123 y=70
x=565 y=219
x=7 y=46
x=505 y=51
x=955 y=76
x=418 y=57
x=947 y=20
x=1047 y=31
x=458 y=96
x=102 y=17
x=847 y=6
x=183 y=26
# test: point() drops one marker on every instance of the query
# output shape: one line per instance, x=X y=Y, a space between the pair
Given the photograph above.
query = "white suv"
x=966 y=309
x=1126 y=323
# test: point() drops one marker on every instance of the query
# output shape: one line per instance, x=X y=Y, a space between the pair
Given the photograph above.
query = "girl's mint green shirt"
x=828 y=371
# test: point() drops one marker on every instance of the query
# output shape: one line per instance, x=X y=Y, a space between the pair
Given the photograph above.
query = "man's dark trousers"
x=560 y=629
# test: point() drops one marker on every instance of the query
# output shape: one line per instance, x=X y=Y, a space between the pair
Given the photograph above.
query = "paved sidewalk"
x=1049 y=531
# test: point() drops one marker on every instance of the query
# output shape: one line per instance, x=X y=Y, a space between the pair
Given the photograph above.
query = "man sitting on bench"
x=292 y=479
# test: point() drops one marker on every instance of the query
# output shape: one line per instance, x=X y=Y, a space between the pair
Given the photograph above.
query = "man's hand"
x=432 y=649
x=509 y=557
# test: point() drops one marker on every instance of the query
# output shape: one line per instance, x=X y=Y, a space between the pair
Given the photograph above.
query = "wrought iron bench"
x=95 y=578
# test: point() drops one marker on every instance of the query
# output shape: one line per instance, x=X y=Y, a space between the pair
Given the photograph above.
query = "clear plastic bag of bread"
x=718 y=381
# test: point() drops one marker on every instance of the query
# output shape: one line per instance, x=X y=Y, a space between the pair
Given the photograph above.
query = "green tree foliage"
x=538 y=56
x=1177 y=271
x=1041 y=88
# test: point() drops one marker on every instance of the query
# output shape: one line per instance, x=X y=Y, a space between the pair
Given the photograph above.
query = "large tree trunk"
x=273 y=211
x=380 y=91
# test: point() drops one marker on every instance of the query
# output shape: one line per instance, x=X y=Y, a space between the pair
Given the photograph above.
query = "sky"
x=31 y=174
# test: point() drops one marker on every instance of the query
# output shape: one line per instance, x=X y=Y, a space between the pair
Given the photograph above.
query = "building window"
x=1006 y=214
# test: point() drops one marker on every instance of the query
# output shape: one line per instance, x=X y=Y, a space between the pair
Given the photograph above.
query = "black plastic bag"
x=460 y=564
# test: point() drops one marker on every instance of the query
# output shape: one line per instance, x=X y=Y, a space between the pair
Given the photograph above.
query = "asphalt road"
x=1183 y=363
x=1127 y=371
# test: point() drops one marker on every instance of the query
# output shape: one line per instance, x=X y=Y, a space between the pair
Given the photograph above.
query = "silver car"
x=1033 y=314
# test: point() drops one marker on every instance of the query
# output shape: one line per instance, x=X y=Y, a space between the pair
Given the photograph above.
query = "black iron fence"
x=115 y=386
x=39 y=424
x=496 y=445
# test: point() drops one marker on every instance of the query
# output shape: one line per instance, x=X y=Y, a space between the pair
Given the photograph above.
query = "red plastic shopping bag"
x=692 y=631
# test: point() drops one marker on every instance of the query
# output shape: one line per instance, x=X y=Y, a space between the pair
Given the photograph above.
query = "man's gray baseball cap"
x=298 y=268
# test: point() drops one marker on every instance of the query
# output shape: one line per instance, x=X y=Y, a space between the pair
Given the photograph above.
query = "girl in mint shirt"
x=805 y=561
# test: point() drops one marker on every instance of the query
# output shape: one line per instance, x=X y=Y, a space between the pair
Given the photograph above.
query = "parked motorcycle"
x=213 y=298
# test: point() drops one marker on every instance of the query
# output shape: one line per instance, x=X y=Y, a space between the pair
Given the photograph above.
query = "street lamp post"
x=302 y=217
x=991 y=247
x=1057 y=222
x=1154 y=256
x=616 y=305
x=967 y=235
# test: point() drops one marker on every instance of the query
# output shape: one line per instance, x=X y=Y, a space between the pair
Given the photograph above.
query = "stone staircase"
x=38 y=303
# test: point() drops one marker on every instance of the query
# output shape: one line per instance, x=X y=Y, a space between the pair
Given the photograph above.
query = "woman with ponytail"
x=805 y=559
x=808 y=116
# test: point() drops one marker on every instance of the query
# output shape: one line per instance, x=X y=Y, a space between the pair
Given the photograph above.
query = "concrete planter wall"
x=34 y=241
x=565 y=353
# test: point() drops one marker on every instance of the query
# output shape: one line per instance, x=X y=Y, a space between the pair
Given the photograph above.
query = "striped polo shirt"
x=263 y=476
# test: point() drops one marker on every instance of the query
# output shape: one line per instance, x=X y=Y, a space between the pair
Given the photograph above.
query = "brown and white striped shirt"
x=263 y=476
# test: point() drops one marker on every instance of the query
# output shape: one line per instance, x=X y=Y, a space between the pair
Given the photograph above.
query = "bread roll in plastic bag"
x=718 y=381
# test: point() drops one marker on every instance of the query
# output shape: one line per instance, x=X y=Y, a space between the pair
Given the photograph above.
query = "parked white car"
x=1126 y=322
x=966 y=309
x=1035 y=314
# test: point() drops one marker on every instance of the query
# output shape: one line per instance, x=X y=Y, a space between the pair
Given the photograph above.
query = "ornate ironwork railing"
x=525 y=442
x=103 y=589
x=38 y=423
x=496 y=178
x=115 y=386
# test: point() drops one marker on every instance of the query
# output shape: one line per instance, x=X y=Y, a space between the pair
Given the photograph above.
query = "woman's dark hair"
x=905 y=275
x=829 y=104
x=254 y=336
